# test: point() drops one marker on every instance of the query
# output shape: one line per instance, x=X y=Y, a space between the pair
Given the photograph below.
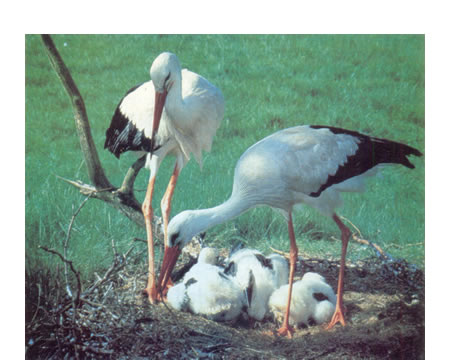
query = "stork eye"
x=173 y=238
x=167 y=78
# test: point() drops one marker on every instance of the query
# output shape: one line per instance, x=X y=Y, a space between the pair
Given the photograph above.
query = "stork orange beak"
x=170 y=258
x=160 y=100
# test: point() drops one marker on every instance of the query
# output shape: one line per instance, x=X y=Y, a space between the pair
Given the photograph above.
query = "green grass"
x=372 y=83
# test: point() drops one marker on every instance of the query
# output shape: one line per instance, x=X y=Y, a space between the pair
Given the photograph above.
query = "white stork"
x=280 y=268
x=206 y=290
x=299 y=165
x=312 y=300
x=176 y=113
x=264 y=278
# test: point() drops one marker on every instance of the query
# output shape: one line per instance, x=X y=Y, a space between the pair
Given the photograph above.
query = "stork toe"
x=338 y=317
x=286 y=330
x=152 y=294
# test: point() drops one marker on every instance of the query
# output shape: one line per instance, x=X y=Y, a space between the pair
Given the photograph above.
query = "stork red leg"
x=339 y=312
x=286 y=329
x=166 y=206
x=166 y=202
x=147 y=210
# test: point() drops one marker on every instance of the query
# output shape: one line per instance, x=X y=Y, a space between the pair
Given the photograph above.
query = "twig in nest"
x=354 y=226
x=356 y=238
x=72 y=268
x=113 y=246
x=94 y=350
x=304 y=258
x=376 y=247
x=115 y=266
x=360 y=240
x=282 y=253
x=66 y=244
x=404 y=246
x=38 y=304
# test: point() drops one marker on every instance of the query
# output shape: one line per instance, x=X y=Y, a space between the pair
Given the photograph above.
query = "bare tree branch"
x=360 y=240
x=95 y=170
x=125 y=203
x=130 y=177
x=122 y=199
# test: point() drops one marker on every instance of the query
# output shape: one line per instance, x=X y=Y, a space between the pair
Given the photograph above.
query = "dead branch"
x=356 y=238
x=95 y=170
x=125 y=203
x=122 y=199
x=401 y=247
x=369 y=243
x=304 y=258
x=130 y=177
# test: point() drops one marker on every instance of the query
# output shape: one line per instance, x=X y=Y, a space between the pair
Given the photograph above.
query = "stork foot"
x=162 y=295
x=152 y=293
x=286 y=330
x=338 y=317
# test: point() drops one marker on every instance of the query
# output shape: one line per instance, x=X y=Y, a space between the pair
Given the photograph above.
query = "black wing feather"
x=265 y=262
x=371 y=152
x=122 y=135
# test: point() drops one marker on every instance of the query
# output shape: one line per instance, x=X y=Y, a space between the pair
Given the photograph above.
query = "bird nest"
x=110 y=318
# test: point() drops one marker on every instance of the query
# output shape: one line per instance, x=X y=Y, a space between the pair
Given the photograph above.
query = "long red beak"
x=170 y=258
x=160 y=100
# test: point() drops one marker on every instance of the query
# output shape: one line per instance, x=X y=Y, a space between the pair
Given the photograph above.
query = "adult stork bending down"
x=176 y=113
x=299 y=165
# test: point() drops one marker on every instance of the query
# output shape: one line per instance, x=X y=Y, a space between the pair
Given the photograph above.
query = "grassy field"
x=372 y=84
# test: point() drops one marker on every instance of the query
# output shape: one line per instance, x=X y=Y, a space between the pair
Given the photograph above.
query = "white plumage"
x=260 y=274
x=191 y=111
x=299 y=165
x=176 y=113
x=312 y=298
x=206 y=290
x=280 y=268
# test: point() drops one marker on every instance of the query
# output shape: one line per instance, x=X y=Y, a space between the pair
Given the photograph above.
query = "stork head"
x=164 y=71
x=182 y=228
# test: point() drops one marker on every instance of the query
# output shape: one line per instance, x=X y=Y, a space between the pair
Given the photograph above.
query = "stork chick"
x=312 y=300
x=255 y=272
x=206 y=290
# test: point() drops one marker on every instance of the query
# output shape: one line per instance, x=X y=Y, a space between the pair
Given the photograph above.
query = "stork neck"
x=174 y=100
x=207 y=218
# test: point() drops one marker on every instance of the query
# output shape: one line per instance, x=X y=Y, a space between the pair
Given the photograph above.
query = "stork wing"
x=317 y=157
x=131 y=124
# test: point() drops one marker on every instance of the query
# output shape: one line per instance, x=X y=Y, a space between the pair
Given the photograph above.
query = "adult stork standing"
x=176 y=113
x=299 y=165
